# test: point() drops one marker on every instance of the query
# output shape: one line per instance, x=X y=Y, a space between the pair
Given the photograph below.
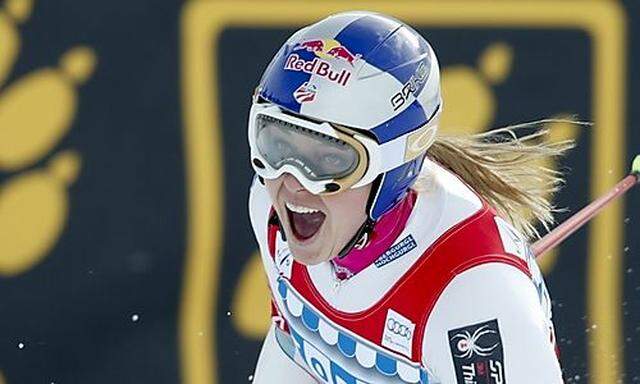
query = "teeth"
x=300 y=209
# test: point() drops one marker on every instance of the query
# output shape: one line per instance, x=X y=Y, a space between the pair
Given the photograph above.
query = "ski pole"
x=575 y=222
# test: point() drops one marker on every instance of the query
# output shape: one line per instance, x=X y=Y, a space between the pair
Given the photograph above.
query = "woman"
x=393 y=255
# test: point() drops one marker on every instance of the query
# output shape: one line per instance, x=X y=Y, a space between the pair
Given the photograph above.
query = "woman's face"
x=317 y=227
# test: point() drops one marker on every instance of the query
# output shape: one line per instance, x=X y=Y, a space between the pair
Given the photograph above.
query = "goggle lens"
x=318 y=156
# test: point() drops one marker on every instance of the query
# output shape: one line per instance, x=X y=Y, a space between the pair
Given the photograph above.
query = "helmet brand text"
x=318 y=67
x=410 y=87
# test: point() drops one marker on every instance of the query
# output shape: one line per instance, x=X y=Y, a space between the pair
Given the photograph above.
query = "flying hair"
x=505 y=167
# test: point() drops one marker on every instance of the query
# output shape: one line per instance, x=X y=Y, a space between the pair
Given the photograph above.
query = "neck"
x=384 y=233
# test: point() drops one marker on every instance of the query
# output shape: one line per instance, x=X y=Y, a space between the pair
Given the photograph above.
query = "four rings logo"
x=398 y=333
x=399 y=329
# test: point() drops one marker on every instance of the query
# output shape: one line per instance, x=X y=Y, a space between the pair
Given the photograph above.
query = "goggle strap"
x=394 y=151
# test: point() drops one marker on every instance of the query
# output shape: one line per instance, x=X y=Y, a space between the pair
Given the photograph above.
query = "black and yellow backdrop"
x=126 y=254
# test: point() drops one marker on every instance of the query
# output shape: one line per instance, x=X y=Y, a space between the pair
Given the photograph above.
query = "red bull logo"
x=328 y=49
x=329 y=54
x=342 y=53
x=318 y=67
x=311 y=46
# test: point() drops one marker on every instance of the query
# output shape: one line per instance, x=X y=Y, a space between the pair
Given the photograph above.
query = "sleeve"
x=274 y=366
x=259 y=209
x=259 y=206
x=488 y=326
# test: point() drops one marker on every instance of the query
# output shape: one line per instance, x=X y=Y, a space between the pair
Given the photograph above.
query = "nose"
x=292 y=184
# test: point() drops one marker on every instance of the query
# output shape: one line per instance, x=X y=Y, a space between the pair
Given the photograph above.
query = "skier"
x=393 y=254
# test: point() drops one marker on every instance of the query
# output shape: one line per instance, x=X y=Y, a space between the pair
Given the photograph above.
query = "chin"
x=306 y=256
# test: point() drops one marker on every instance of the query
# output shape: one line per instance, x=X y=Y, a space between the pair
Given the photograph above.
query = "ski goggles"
x=325 y=158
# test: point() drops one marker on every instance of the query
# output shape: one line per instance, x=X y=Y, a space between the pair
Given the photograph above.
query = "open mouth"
x=305 y=222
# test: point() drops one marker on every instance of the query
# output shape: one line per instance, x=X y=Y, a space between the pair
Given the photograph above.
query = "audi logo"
x=399 y=329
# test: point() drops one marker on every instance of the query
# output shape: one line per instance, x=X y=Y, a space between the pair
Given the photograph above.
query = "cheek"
x=352 y=202
x=272 y=187
x=348 y=210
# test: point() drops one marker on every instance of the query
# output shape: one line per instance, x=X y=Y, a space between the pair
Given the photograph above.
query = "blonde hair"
x=506 y=169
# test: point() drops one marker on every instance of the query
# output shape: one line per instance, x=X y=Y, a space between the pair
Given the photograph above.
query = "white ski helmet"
x=364 y=88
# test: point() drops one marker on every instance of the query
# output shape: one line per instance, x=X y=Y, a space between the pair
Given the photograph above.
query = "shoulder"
x=448 y=212
x=444 y=196
x=486 y=290
x=259 y=210
x=259 y=207
x=455 y=228
x=457 y=221
x=443 y=206
x=461 y=199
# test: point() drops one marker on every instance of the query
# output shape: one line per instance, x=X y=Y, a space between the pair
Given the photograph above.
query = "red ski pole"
x=575 y=222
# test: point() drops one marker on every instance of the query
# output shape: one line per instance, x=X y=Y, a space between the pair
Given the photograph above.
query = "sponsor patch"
x=396 y=251
x=477 y=353
x=398 y=333
x=283 y=257
x=410 y=87
x=305 y=93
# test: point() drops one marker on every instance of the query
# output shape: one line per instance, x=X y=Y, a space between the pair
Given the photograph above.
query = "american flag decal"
x=305 y=93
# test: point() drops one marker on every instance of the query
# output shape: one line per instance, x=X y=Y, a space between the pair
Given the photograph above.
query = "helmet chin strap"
x=362 y=235
x=360 y=239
